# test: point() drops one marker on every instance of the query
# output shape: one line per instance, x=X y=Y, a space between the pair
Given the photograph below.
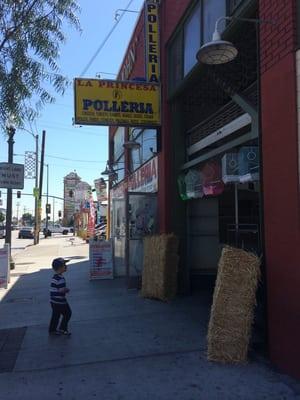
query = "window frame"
x=179 y=31
x=142 y=131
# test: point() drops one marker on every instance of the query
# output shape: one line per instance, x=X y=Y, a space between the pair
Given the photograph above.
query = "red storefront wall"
x=171 y=13
x=281 y=181
x=280 y=164
x=133 y=62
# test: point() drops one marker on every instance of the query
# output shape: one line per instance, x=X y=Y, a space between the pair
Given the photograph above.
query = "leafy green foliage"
x=28 y=219
x=31 y=33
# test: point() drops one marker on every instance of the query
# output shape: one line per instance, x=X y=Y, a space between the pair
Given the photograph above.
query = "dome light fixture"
x=131 y=145
x=217 y=51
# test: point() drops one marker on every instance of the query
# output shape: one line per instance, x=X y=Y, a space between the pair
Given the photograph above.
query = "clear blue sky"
x=63 y=140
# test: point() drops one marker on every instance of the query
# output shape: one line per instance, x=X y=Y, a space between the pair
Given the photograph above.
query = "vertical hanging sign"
x=152 y=41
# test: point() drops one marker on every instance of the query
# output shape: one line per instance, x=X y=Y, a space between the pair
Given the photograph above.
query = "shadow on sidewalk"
x=108 y=322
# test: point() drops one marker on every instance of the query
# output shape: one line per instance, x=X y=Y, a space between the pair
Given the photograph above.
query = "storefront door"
x=118 y=235
x=142 y=221
x=203 y=236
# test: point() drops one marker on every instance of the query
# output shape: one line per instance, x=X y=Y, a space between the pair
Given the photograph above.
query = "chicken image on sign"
x=120 y=103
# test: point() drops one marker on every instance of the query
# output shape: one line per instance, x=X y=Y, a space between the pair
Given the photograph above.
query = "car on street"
x=26 y=232
x=56 y=228
x=2 y=232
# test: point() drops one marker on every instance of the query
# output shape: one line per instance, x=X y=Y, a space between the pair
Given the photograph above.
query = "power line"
x=71 y=159
x=70 y=129
x=67 y=159
x=105 y=40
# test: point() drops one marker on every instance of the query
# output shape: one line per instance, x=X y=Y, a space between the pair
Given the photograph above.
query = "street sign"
x=11 y=176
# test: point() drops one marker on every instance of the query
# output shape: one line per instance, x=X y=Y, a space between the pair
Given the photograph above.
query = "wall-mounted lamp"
x=217 y=51
x=220 y=51
x=131 y=144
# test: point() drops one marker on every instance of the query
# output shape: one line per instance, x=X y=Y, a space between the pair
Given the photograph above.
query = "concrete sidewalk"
x=122 y=347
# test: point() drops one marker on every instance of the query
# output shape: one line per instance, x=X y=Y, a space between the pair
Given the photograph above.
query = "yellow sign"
x=121 y=103
x=152 y=41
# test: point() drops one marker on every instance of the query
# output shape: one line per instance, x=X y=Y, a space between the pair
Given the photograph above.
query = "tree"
x=2 y=217
x=31 y=33
x=28 y=219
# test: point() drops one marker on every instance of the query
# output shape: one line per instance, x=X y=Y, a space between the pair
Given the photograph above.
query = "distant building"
x=70 y=183
x=81 y=194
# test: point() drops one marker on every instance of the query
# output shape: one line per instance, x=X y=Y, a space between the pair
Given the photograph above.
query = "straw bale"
x=160 y=267
x=233 y=305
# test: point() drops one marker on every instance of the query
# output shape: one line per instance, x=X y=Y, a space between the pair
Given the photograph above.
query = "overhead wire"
x=86 y=68
x=67 y=159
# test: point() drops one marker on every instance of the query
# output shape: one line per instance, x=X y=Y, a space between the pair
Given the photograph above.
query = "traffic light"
x=59 y=214
x=19 y=194
x=48 y=218
x=48 y=208
x=0 y=193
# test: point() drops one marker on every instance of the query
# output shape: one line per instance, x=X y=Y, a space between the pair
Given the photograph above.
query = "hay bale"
x=233 y=305
x=160 y=269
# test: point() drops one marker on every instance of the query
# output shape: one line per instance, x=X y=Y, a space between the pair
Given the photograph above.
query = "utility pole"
x=18 y=206
x=41 y=180
x=36 y=203
x=53 y=200
x=47 y=199
x=11 y=130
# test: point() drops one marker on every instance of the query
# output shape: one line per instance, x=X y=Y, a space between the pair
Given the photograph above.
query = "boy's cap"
x=59 y=262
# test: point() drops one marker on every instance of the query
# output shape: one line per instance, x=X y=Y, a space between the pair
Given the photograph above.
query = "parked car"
x=56 y=228
x=26 y=232
x=2 y=232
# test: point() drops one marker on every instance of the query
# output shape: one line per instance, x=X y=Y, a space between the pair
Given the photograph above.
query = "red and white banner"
x=145 y=179
x=91 y=218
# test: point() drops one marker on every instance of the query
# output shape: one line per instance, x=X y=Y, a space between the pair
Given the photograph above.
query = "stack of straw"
x=160 y=267
x=233 y=306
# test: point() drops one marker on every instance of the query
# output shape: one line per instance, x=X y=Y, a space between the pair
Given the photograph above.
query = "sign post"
x=4 y=267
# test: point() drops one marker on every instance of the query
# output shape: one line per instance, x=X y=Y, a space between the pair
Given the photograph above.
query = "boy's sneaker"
x=66 y=333
x=54 y=333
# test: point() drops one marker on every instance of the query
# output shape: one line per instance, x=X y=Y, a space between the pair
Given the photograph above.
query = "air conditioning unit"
x=249 y=164
x=230 y=168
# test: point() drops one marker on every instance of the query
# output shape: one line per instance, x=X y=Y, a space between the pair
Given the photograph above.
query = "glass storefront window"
x=212 y=10
x=147 y=139
x=119 y=137
x=191 y=40
x=194 y=32
x=175 y=61
x=119 y=166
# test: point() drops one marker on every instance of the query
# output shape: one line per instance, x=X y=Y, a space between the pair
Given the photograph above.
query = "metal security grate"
x=234 y=4
x=222 y=117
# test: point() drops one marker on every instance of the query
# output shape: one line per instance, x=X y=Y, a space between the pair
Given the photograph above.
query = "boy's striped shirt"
x=58 y=282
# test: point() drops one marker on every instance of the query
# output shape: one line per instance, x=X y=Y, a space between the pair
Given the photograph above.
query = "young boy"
x=59 y=304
